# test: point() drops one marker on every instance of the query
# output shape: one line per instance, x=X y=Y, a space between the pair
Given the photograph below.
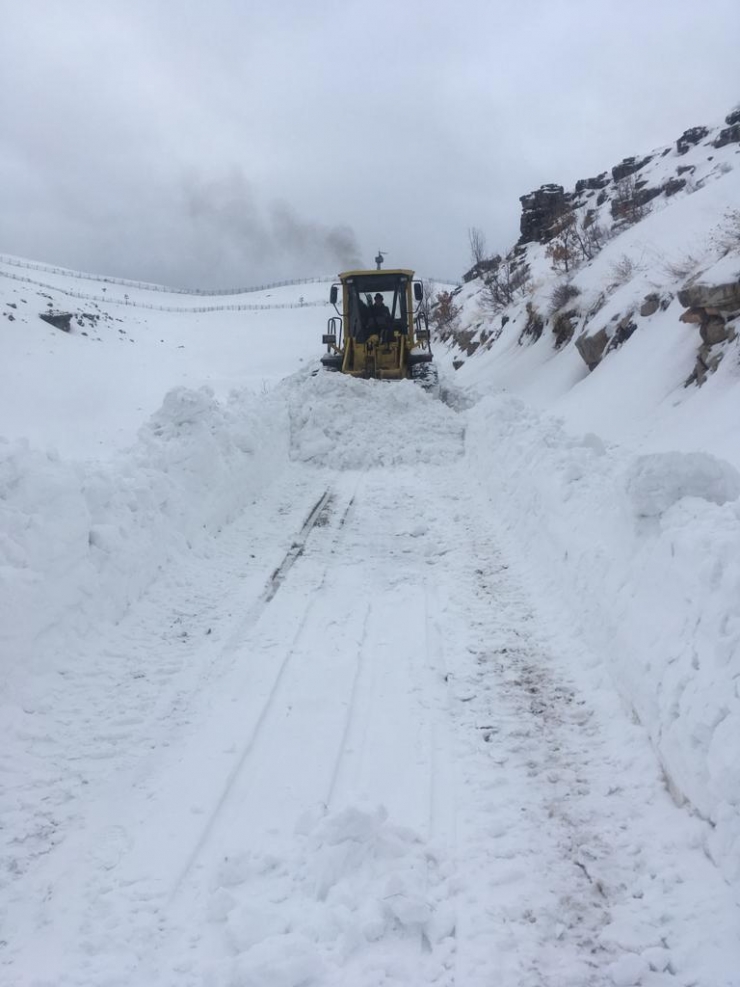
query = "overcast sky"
x=232 y=142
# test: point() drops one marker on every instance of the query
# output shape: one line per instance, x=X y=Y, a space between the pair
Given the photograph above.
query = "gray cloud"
x=128 y=128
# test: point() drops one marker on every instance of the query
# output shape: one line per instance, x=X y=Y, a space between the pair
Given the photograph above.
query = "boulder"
x=733 y=117
x=592 y=347
x=713 y=330
x=650 y=306
x=692 y=316
x=60 y=320
x=723 y=297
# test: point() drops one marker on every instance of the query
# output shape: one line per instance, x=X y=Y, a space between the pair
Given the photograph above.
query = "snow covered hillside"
x=611 y=448
x=317 y=681
x=58 y=388
x=588 y=321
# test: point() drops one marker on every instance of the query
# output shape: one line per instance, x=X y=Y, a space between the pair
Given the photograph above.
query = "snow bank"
x=644 y=554
x=79 y=542
x=344 y=423
x=658 y=481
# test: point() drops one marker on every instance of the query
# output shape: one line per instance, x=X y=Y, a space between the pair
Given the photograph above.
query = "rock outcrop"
x=690 y=137
x=673 y=185
x=630 y=205
x=482 y=268
x=730 y=135
x=725 y=297
x=628 y=166
x=589 y=184
x=540 y=209
x=715 y=309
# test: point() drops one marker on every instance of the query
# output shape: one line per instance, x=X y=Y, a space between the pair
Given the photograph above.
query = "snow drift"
x=79 y=542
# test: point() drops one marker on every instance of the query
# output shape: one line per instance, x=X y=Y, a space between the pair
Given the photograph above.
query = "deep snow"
x=328 y=681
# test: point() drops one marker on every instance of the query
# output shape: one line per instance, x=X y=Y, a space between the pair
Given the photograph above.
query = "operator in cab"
x=380 y=317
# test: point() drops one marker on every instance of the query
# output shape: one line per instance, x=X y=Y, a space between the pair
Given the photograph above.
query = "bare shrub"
x=444 y=315
x=563 y=249
x=428 y=299
x=630 y=202
x=595 y=308
x=680 y=268
x=591 y=236
x=562 y=294
x=727 y=236
x=477 y=244
x=576 y=237
x=622 y=271
x=504 y=283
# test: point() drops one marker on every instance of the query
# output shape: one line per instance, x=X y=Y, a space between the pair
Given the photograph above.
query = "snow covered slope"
x=86 y=392
x=636 y=393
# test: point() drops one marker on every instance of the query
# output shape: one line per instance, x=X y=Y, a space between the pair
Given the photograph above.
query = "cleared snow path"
x=344 y=748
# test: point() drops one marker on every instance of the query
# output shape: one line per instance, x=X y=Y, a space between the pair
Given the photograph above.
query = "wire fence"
x=143 y=285
x=193 y=309
x=147 y=286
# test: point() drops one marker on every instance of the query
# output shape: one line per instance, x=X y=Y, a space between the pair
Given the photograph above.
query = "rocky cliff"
x=656 y=233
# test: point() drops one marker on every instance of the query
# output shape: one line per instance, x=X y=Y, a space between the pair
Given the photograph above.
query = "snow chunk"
x=657 y=481
x=350 y=882
x=280 y=961
x=628 y=971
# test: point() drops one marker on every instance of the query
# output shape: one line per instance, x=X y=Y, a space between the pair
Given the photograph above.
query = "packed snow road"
x=341 y=745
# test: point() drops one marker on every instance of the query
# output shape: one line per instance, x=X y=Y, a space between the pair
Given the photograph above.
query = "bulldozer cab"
x=376 y=308
x=377 y=327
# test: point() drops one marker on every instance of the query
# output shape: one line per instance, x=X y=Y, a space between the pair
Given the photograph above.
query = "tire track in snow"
x=340 y=765
x=442 y=810
x=442 y=785
x=318 y=517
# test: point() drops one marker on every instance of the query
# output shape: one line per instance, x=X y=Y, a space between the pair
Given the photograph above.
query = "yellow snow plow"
x=381 y=329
